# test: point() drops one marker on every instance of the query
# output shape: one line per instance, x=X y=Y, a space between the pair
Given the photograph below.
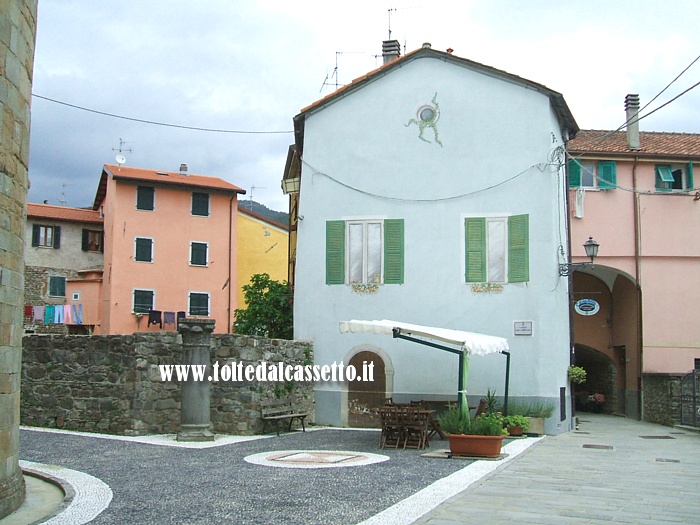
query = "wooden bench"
x=279 y=410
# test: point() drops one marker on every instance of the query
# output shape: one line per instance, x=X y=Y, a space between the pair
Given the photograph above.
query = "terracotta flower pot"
x=472 y=445
x=516 y=430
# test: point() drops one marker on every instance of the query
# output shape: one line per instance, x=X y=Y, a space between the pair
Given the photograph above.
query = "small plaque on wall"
x=522 y=327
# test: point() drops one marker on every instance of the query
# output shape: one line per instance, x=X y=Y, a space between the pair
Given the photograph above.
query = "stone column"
x=195 y=396
x=17 y=36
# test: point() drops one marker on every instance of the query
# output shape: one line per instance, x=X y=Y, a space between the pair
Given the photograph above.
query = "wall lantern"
x=591 y=248
x=291 y=185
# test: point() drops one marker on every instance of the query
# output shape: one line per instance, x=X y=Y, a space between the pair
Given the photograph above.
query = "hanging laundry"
x=168 y=317
x=155 y=317
x=66 y=314
x=48 y=317
x=38 y=313
x=28 y=311
x=78 y=314
x=180 y=315
x=58 y=314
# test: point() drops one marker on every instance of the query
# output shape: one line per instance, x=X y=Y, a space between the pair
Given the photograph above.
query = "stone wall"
x=662 y=403
x=17 y=37
x=112 y=383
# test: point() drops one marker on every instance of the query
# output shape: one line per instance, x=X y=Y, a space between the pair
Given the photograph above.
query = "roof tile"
x=653 y=143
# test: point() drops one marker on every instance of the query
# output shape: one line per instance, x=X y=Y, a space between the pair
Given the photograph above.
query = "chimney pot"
x=183 y=169
x=632 y=114
x=391 y=50
x=426 y=45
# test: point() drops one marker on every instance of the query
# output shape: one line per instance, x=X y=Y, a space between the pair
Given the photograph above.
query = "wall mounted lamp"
x=591 y=248
x=291 y=185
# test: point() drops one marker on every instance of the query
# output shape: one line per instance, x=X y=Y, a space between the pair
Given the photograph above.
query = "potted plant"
x=534 y=411
x=481 y=437
x=516 y=424
x=596 y=401
x=577 y=374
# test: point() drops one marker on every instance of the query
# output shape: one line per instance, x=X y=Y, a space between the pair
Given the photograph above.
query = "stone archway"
x=601 y=378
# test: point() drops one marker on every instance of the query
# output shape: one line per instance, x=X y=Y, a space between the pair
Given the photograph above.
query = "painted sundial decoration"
x=427 y=116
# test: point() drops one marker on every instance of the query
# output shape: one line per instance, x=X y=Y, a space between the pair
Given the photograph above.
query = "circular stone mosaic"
x=314 y=458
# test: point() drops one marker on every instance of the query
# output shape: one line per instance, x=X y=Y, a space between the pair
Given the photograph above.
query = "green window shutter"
x=475 y=249
x=57 y=237
x=199 y=304
x=574 y=173
x=144 y=197
x=518 y=249
x=144 y=249
x=57 y=286
x=393 y=251
x=36 y=229
x=690 y=180
x=664 y=177
x=198 y=254
x=607 y=175
x=335 y=252
x=200 y=204
x=143 y=301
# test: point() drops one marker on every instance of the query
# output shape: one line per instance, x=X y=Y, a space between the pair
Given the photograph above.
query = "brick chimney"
x=632 y=110
x=391 y=50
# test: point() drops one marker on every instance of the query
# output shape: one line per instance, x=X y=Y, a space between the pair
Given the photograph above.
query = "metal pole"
x=505 y=402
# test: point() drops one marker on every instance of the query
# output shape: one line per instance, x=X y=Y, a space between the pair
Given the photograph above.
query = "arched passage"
x=607 y=339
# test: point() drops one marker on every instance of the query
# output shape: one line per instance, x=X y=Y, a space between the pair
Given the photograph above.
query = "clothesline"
x=55 y=313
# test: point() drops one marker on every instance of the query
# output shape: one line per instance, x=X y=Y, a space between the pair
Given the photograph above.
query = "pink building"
x=169 y=250
x=635 y=323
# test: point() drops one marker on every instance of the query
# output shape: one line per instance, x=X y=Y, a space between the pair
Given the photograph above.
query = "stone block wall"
x=662 y=399
x=112 y=383
x=17 y=37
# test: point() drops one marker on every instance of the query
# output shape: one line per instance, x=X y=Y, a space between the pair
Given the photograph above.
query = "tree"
x=268 y=311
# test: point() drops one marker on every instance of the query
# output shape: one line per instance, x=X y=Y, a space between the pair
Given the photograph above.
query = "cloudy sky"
x=247 y=67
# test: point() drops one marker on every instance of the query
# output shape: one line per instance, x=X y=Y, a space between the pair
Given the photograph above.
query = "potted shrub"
x=516 y=424
x=535 y=412
x=481 y=437
x=577 y=374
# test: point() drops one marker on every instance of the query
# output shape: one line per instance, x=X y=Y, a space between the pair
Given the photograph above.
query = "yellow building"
x=263 y=247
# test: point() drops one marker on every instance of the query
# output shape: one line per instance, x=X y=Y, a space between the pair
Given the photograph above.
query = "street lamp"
x=591 y=248
x=291 y=185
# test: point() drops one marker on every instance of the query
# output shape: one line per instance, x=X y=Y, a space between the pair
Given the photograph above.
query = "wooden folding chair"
x=391 y=427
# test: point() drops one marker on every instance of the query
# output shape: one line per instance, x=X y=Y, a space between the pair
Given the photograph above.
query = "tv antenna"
x=62 y=200
x=250 y=197
x=396 y=9
x=335 y=69
x=120 y=158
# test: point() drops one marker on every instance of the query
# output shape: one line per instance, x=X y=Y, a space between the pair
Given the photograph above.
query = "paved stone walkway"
x=612 y=470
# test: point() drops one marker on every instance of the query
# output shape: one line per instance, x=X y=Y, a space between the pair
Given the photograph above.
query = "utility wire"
x=156 y=123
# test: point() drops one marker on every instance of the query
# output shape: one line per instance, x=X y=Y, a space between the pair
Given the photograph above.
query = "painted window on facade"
x=497 y=249
x=365 y=251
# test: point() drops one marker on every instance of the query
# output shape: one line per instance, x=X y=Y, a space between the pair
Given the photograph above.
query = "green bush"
x=538 y=408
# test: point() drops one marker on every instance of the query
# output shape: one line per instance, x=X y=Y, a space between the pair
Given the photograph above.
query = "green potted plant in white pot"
x=480 y=437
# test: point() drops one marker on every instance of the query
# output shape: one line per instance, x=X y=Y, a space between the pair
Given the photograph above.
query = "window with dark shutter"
x=145 y=198
x=199 y=304
x=200 y=204
x=57 y=286
x=144 y=250
x=143 y=301
x=198 y=253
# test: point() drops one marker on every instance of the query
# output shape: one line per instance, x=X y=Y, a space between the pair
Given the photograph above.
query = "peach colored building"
x=170 y=249
x=263 y=245
x=635 y=326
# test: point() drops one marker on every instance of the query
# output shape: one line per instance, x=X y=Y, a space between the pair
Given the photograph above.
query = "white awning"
x=472 y=343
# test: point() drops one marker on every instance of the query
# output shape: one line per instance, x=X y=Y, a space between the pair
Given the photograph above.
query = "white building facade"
x=433 y=193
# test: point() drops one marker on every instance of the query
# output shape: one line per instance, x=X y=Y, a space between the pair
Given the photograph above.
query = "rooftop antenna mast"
x=120 y=158
x=62 y=200
x=250 y=198
x=335 y=70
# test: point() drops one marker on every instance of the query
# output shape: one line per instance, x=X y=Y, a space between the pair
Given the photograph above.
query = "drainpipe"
x=230 y=242
x=570 y=287
x=638 y=278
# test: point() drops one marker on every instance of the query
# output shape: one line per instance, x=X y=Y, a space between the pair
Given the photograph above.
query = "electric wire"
x=155 y=123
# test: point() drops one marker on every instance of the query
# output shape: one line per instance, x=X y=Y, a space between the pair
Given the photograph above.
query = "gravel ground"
x=163 y=485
